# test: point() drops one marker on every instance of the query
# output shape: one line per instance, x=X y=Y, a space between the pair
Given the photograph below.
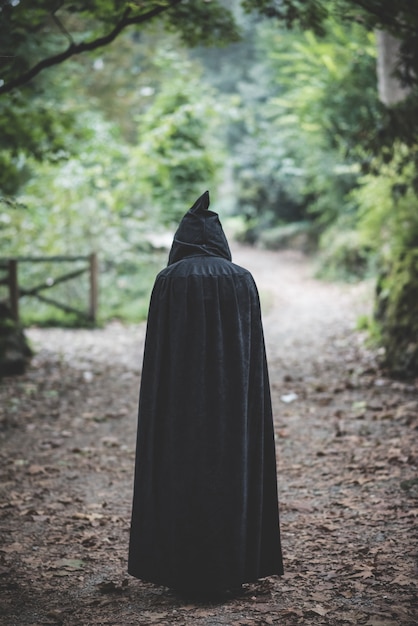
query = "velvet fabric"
x=205 y=511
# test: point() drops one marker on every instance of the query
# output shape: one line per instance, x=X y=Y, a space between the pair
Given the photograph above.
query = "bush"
x=343 y=256
x=297 y=235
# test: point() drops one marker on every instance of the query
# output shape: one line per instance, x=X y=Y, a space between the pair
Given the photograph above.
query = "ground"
x=346 y=459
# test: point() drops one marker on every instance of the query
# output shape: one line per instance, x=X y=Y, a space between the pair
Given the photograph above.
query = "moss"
x=14 y=348
x=397 y=314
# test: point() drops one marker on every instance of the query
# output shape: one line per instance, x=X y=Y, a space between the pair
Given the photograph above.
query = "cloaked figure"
x=205 y=511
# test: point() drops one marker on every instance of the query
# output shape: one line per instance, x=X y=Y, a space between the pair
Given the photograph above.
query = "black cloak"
x=205 y=511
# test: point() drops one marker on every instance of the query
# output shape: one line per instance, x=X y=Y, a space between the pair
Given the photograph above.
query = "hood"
x=199 y=233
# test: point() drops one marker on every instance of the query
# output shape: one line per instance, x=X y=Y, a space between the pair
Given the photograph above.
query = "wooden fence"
x=11 y=280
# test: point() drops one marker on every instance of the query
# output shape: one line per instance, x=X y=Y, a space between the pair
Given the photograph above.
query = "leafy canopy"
x=399 y=18
x=38 y=34
x=38 y=119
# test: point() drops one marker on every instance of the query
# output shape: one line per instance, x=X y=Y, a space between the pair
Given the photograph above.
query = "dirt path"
x=347 y=468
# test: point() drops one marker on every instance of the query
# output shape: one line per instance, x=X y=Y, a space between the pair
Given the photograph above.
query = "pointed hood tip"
x=202 y=203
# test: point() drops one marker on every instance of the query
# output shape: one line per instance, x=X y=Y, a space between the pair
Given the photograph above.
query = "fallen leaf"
x=40 y=518
x=12 y=547
x=90 y=517
x=111 y=442
x=110 y=586
x=33 y=470
x=327 y=527
x=296 y=612
x=320 y=597
x=365 y=572
x=404 y=580
x=155 y=618
x=319 y=610
x=410 y=513
x=377 y=621
x=90 y=541
x=356 y=406
x=71 y=564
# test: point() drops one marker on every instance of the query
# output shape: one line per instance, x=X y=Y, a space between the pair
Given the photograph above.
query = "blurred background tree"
x=304 y=124
x=94 y=149
x=346 y=121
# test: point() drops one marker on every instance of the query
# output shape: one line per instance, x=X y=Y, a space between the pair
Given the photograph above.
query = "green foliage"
x=399 y=18
x=300 y=155
x=293 y=13
x=388 y=216
x=388 y=224
x=357 y=160
x=200 y=22
x=84 y=204
x=34 y=120
x=397 y=313
x=62 y=202
x=296 y=235
x=177 y=156
x=328 y=85
x=41 y=133
x=111 y=196
x=45 y=33
x=344 y=256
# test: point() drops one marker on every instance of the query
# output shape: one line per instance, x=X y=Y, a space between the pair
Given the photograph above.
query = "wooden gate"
x=11 y=268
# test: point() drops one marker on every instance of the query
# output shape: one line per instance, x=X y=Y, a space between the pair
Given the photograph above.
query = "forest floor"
x=347 y=473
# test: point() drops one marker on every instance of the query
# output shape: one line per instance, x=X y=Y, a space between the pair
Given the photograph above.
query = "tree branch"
x=88 y=46
x=388 y=18
x=61 y=25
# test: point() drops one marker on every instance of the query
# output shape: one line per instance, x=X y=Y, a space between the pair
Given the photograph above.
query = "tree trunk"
x=391 y=90
x=14 y=348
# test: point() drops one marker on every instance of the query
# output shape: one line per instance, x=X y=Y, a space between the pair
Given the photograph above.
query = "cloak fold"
x=205 y=511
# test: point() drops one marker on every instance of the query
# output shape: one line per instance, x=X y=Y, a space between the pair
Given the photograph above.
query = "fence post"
x=93 y=287
x=13 y=289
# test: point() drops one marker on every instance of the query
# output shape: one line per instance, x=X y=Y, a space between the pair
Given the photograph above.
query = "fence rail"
x=10 y=267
